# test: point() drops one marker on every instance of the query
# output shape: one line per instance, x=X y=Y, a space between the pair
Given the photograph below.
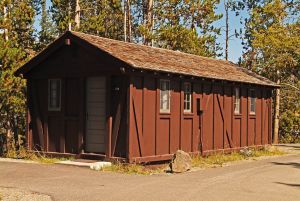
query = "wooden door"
x=95 y=117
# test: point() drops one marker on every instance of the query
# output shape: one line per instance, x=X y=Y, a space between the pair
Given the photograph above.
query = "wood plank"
x=225 y=122
x=207 y=116
x=117 y=121
x=108 y=115
x=129 y=120
x=138 y=129
x=37 y=123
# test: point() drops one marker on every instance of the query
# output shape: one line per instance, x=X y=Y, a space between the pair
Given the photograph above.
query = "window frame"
x=161 y=109
x=189 y=93
x=237 y=101
x=252 y=97
x=58 y=95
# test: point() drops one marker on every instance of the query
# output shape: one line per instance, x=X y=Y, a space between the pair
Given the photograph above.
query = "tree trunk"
x=129 y=19
x=149 y=21
x=227 y=30
x=5 y=20
x=8 y=128
x=125 y=20
x=69 y=15
x=77 y=15
x=9 y=136
x=152 y=30
x=276 y=115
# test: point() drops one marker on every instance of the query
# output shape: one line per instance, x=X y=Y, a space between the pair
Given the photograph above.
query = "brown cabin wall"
x=64 y=131
x=155 y=136
x=61 y=130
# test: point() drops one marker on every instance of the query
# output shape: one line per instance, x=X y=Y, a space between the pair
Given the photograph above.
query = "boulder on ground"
x=181 y=162
x=247 y=152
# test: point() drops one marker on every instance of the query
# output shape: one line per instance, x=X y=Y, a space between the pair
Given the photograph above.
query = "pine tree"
x=63 y=14
x=16 y=46
x=271 y=37
x=47 y=33
x=188 y=26
x=103 y=18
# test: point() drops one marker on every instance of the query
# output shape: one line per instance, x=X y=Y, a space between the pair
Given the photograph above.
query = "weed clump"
x=220 y=159
x=133 y=169
x=24 y=153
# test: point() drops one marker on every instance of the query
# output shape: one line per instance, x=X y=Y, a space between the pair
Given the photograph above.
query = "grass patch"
x=133 y=169
x=23 y=153
x=216 y=160
x=220 y=159
x=271 y=151
x=45 y=159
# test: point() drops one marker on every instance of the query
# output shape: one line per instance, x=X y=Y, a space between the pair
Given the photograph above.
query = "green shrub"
x=289 y=127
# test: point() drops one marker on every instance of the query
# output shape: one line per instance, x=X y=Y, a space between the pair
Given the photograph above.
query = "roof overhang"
x=69 y=37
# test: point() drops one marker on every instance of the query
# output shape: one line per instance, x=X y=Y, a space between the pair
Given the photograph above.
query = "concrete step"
x=83 y=163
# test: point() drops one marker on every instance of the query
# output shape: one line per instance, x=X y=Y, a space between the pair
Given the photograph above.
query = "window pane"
x=54 y=94
x=237 y=101
x=187 y=97
x=165 y=95
x=252 y=102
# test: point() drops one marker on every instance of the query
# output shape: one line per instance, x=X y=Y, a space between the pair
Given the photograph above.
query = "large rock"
x=181 y=162
x=247 y=152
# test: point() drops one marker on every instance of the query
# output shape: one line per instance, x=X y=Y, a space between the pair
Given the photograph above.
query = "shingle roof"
x=158 y=59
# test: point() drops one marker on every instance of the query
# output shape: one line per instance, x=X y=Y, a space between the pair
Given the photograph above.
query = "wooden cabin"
x=93 y=96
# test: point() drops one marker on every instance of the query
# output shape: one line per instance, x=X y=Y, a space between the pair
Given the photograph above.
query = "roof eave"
x=34 y=61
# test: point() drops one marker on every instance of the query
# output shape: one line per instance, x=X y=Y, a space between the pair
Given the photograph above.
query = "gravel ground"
x=13 y=194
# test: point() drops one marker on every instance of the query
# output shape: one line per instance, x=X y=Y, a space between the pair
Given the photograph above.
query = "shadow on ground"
x=292 y=185
x=295 y=165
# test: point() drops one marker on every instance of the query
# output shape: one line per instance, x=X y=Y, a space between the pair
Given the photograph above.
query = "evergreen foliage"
x=47 y=33
x=16 y=46
x=272 y=33
x=188 y=26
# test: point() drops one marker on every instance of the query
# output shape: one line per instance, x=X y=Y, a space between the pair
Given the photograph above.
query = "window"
x=164 y=96
x=54 y=88
x=187 y=97
x=252 y=101
x=237 y=101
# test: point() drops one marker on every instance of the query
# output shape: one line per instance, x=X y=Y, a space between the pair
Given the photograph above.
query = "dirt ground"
x=276 y=178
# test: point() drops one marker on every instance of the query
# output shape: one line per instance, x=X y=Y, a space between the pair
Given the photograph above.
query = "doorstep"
x=86 y=163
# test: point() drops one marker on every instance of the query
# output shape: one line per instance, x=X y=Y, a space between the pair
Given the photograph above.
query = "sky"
x=235 y=47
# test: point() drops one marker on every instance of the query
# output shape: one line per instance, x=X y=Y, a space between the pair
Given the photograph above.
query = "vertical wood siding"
x=140 y=131
x=154 y=135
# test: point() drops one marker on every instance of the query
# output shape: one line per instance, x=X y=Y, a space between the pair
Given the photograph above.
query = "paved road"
x=271 y=179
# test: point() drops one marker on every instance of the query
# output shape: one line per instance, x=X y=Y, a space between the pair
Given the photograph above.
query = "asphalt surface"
x=270 y=179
